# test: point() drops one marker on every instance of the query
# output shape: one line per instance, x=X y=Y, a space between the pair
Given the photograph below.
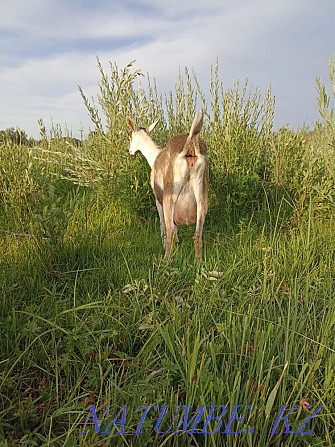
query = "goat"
x=179 y=179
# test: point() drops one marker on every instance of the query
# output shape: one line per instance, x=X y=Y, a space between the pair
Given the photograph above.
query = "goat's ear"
x=152 y=126
x=131 y=124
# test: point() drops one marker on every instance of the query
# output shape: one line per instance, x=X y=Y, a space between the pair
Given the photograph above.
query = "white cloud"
x=46 y=88
x=279 y=42
x=61 y=20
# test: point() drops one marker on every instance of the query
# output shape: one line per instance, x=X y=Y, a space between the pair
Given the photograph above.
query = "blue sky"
x=48 y=47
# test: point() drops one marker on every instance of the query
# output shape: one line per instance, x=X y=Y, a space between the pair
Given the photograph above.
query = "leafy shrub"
x=245 y=153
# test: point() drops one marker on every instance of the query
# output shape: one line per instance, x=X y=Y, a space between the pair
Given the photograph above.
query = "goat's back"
x=177 y=143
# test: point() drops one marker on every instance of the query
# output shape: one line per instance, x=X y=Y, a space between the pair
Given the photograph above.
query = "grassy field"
x=91 y=314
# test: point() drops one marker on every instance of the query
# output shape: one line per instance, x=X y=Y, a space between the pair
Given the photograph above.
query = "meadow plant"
x=247 y=154
x=105 y=321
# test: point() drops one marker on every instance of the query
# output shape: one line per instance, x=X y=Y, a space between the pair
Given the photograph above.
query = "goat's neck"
x=149 y=149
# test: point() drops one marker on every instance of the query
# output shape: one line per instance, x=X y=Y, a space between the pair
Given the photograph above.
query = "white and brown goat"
x=179 y=179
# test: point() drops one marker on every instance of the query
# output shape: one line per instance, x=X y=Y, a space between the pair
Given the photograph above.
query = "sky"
x=49 y=47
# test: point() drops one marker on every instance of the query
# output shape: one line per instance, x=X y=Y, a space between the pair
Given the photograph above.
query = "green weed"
x=92 y=315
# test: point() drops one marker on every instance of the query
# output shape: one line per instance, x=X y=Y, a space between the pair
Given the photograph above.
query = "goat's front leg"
x=175 y=232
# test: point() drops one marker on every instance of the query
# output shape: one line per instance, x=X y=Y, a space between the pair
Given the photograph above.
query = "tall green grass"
x=91 y=314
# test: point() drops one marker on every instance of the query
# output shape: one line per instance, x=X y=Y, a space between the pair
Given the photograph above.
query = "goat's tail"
x=197 y=123
x=194 y=131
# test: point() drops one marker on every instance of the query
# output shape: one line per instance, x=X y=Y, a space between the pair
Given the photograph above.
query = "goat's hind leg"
x=198 y=235
x=169 y=201
x=168 y=209
x=200 y=193
x=161 y=221
x=170 y=197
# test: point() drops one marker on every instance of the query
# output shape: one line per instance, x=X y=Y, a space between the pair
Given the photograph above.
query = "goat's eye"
x=130 y=134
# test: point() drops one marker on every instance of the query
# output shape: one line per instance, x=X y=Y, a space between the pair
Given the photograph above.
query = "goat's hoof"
x=197 y=247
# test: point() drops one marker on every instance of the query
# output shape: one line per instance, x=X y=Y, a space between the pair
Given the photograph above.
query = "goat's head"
x=137 y=135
